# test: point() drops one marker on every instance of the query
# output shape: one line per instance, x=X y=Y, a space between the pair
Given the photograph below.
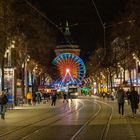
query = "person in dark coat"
x=120 y=100
x=54 y=97
x=34 y=99
x=3 y=103
x=65 y=97
x=38 y=97
x=134 y=101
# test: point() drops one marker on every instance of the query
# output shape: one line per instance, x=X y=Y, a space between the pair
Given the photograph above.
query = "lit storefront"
x=135 y=80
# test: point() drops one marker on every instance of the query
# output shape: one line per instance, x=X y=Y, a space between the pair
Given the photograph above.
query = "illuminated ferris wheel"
x=71 y=67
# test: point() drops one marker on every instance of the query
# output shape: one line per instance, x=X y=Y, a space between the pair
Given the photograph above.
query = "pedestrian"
x=29 y=97
x=65 y=97
x=134 y=101
x=44 y=95
x=54 y=97
x=120 y=99
x=3 y=103
x=38 y=97
x=34 y=99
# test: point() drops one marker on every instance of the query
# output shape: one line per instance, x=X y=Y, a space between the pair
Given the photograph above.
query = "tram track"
x=54 y=121
x=85 y=124
x=96 y=123
x=34 y=120
x=52 y=117
x=107 y=126
x=103 y=135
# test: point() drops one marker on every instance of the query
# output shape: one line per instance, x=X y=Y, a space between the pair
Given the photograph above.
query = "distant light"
x=22 y=65
x=5 y=55
x=12 y=46
x=13 y=41
x=67 y=70
x=7 y=51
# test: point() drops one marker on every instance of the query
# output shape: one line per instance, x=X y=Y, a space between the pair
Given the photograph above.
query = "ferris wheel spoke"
x=71 y=68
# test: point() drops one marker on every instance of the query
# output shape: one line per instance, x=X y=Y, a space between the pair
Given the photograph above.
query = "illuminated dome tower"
x=70 y=65
x=67 y=45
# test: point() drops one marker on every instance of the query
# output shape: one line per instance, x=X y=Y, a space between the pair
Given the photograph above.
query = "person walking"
x=29 y=97
x=120 y=100
x=54 y=97
x=134 y=101
x=65 y=97
x=38 y=97
x=34 y=99
x=3 y=103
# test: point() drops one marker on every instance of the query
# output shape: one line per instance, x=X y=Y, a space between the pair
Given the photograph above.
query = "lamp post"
x=121 y=73
x=25 y=75
x=137 y=61
x=108 y=26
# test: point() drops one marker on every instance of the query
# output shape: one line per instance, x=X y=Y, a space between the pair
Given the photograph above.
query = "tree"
x=5 y=32
x=40 y=37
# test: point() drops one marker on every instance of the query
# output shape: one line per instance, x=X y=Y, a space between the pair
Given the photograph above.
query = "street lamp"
x=8 y=53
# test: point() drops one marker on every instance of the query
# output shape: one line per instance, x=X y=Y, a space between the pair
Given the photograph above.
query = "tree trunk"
x=107 y=82
x=2 y=78
x=110 y=76
x=4 y=8
x=130 y=77
x=22 y=83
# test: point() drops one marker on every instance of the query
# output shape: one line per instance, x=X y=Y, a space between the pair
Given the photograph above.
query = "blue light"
x=79 y=64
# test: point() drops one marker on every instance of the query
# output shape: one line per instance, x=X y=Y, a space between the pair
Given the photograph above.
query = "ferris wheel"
x=71 y=68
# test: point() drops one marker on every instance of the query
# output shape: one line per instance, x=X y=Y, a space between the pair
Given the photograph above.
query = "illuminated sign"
x=9 y=72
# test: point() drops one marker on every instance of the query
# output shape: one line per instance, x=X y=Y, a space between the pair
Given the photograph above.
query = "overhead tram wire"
x=98 y=13
x=101 y=21
x=56 y=26
x=46 y=18
x=104 y=25
x=41 y=14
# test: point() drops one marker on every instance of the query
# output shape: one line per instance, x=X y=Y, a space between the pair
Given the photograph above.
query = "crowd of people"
x=132 y=97
x=32 y=99
x=121 y=95
x=45 y=97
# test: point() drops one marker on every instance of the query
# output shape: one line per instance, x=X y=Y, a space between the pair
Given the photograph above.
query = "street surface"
x=85 y=118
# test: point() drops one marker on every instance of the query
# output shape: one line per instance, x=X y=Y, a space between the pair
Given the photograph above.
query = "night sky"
x=86 y=28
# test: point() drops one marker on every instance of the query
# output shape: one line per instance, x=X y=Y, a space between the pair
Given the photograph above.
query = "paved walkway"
x=119 y=127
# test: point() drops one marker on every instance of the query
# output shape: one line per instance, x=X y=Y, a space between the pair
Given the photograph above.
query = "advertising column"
x=9 y=85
